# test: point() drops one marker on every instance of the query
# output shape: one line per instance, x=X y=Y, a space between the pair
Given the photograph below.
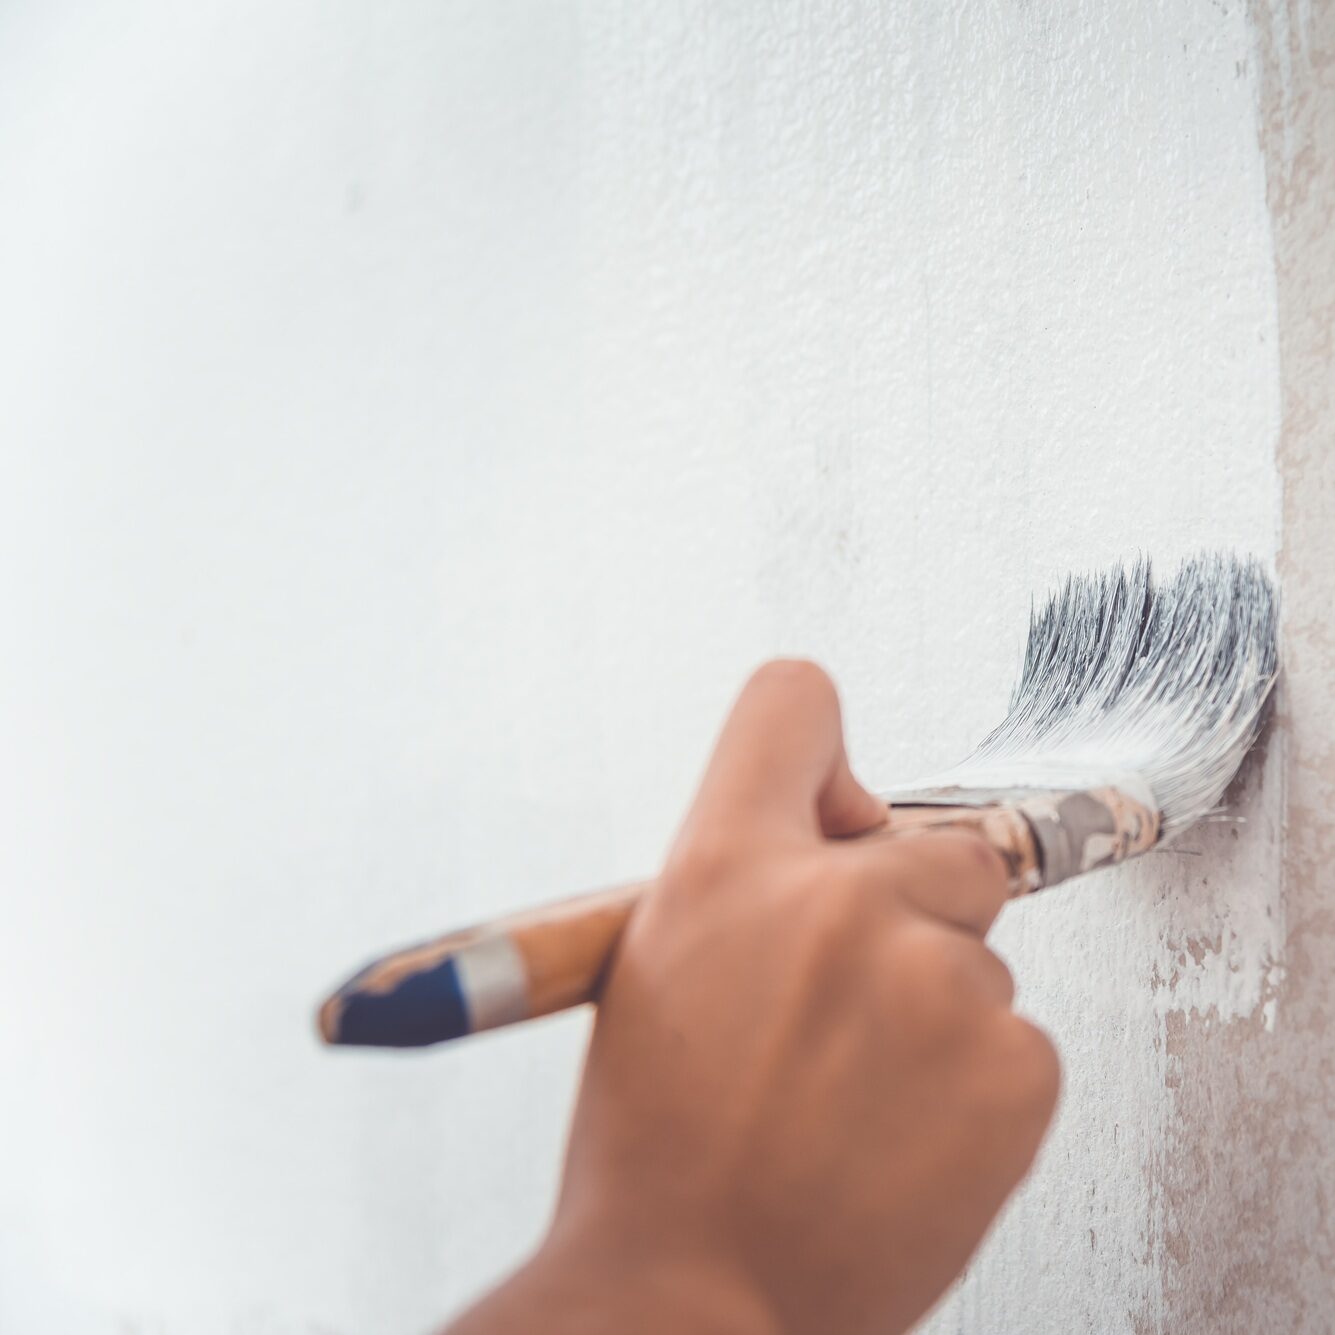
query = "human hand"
x=806 y=1094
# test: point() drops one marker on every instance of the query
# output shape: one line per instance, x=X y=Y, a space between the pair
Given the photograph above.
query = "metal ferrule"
x=1064 y=834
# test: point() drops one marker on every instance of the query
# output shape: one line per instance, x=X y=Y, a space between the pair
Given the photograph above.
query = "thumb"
x=845 y=807
x=781 y=754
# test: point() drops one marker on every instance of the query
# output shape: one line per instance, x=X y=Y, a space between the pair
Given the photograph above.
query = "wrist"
x=580 y=1283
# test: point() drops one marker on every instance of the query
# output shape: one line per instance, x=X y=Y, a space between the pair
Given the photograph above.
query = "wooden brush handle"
x=555 y=957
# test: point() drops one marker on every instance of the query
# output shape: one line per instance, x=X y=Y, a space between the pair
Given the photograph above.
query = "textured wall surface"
x=417 y=419
x=1253 y=1111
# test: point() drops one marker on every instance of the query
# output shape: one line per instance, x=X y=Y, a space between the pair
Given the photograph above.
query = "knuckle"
x=947 y=874
x=976 y=861
x=838 y=908
x=1035 y=1068
x=928 y=963
x=700 y=863
x=888 y=872
x=936 y=957
x=1005 y=977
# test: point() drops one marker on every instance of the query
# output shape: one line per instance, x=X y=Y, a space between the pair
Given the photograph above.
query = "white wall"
x=417 y=418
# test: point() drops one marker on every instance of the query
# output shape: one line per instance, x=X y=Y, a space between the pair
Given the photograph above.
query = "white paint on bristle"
x=1157 y=689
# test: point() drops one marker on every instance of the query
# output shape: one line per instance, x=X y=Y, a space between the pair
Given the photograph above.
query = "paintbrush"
x=1134 y=709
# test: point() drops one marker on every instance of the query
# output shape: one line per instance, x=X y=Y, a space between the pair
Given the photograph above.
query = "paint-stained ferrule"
x=1083 y=831
x=1043 y=836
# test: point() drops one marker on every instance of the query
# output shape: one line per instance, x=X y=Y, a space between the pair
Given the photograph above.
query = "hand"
x=807 y=1094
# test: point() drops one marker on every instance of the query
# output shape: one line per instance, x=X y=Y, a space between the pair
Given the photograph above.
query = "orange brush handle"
x=555 y=957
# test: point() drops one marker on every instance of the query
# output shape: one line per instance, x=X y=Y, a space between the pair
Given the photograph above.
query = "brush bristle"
x=1122 y=677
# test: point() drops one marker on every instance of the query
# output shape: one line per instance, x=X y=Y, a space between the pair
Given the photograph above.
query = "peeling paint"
x=1249 y=1175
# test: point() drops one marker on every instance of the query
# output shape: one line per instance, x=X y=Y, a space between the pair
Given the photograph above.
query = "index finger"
x=952 y=875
